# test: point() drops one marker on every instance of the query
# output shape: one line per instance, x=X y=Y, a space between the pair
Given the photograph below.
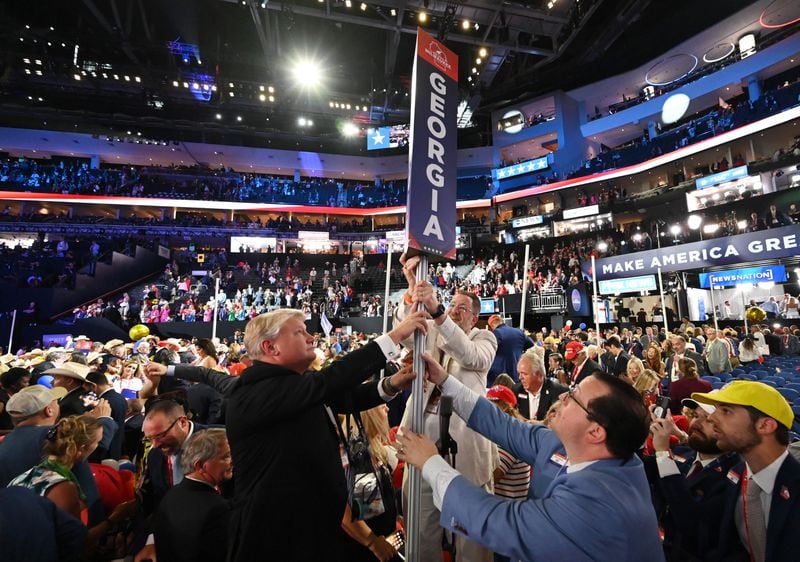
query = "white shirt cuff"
x=447 y=327
x=388 y=347
x=666 y=467
x=151 y=539
x=171 y=371
x=464 y=399
x=438 y=474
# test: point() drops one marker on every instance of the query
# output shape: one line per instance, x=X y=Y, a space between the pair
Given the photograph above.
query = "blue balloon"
x=582 y=326
x=46 y=381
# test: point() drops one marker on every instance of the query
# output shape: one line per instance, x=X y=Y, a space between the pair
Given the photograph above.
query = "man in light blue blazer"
x=597 y=508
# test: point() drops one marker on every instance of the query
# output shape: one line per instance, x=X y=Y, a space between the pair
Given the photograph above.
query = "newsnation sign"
x=754 y=246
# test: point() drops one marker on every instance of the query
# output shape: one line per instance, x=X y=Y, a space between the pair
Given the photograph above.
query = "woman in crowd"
x=206 y=354
x=512 y=477
x=72 y=439
x=648 y=383
x=688 y=383
x=371 y=538
x=748 y=350
x=634 y=369
x=131 y=379
x=652 y=359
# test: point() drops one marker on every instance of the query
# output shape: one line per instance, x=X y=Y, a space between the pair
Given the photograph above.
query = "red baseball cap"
x=573 y=348
x=500 y=392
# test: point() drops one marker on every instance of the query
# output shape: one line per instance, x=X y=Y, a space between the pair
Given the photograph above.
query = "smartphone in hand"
x=662 y=407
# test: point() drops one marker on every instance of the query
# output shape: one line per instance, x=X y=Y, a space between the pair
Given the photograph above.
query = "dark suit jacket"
x=290 y=485
x=191 y=524
x=619 y=366
x=550 y=392
x=588 y=368
x=118 y=408
x=206 y=403
x=691 y=509
x=132 y=445
x=511 y=344
x=71 y=404
x=783 y=531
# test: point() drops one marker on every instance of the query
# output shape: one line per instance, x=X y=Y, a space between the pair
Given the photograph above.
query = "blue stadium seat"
x=790 y=394
x=796 y=410
x=773 y=384
x=793 y=386
x=711 y=378
x=717 y=385
x=748 y=377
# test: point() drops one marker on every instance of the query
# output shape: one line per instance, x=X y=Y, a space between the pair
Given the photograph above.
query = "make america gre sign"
x=753 y=246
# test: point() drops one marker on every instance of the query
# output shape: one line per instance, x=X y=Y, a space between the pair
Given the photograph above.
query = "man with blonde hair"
x=282 y=428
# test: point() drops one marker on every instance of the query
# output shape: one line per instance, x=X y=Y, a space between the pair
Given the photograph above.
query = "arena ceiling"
x=245 y=52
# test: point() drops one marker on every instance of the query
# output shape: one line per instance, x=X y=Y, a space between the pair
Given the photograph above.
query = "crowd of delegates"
x=201 y=450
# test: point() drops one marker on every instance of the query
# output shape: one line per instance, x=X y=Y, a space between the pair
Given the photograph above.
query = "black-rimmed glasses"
x=160 y=436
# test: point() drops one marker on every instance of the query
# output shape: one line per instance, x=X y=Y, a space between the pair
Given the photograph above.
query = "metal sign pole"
x=524 y=287
x=714 y=306
x=417 y=425
x=216 y=309
x=596 y=304
x=386 y=289
x=744 y=313
x=11 y=333
x=663 y=304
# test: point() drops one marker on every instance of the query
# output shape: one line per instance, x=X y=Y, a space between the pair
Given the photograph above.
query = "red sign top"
x=437 y=54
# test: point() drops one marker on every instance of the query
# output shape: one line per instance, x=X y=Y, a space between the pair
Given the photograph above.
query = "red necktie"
x=695 y=470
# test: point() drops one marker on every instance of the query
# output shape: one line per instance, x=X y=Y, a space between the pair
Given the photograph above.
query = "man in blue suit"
x=511 y=344
x=597 y=508
x=761 y=519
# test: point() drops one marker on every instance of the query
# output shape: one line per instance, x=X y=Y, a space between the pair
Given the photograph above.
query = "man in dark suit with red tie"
x=761 y=518
x=689 y=485
x=582 y=366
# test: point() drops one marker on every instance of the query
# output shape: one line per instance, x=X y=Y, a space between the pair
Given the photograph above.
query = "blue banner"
x=521 y=168
x=740 y=249
x=722 y=177
x=431 y=206
x=747 y=276
x=627 y=285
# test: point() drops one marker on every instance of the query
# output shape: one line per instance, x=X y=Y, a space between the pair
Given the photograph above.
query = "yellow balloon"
x=755 y=314
x=138 y=332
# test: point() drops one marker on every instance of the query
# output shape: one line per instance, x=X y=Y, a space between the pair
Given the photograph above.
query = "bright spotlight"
x=307 y=74
x=675 y=229
x=301 y=121
x=350 y=129
x=423 y=17
x=482 y=52
x=465 y=25
x=363 y=6
x=695 y=221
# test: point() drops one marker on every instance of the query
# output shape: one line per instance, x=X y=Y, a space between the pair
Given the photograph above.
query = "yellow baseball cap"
x=760 y=396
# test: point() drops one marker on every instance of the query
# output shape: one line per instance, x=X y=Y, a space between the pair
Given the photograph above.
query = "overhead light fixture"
x=350 y=129
x=482 y=52
x=271 y=99
x=674 y=108
x=218 y=116
x=392 y=11
x=465 y=25
x=307 y=73
x=363 y=6
x=422 y=17
x=348 y=4
x=239 y=118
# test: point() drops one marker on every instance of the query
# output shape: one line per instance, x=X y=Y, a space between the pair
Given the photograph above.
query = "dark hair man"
x=598 y=507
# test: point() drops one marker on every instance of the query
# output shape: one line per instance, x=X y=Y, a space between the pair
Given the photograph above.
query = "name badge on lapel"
x=558 y=459
x=734 y=476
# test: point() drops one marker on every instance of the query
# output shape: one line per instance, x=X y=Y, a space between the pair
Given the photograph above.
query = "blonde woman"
x=131 y=380
x=71 y=440
x=634 y=369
